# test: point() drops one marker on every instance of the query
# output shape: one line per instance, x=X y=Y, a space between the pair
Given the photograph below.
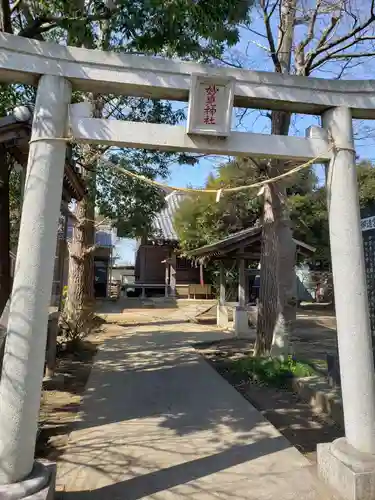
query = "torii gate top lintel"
x=23 y=61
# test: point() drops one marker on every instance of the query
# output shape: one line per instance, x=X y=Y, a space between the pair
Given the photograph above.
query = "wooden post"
x=166 y=277
x=109 y=274
x=241 y=326
x=172 y=276
x=52 y=331
x=247 y=297
x=142 y=260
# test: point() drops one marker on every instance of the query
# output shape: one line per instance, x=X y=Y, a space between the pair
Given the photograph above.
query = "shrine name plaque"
x=210 y=105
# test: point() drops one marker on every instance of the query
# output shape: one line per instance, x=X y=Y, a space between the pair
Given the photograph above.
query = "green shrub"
x=271 y=371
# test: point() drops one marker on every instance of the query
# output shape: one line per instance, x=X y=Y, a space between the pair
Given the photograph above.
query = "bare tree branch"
x=89 y=250
x=299 y=52
x=271 y=41
x=311 y=27
x=340 y=54
x=262 y=35
x=242 y=116
x=344 y=67
x=323 y=46
x=228 y=63
x=259 y=45
x=350 y=56
x=45 y=23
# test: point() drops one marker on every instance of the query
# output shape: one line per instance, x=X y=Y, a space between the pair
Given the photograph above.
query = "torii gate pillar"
x=22 y=373
x=348 y=464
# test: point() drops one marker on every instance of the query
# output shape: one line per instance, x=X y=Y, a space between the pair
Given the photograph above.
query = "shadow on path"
x=159 y=422
x=149 y=484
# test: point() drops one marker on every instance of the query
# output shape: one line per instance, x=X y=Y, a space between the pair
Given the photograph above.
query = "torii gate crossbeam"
x=23 y=60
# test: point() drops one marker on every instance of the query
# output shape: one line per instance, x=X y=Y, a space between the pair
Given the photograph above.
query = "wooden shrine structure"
x=242 y=247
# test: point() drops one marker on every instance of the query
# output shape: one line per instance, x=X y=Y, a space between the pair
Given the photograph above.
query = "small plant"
x=73 y=332
x=64 y=295
x=271 y=371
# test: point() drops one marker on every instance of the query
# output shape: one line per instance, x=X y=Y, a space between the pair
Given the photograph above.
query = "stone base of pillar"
x=39 y=485
x=346 y=470
x=222 y=316
x=241 y=323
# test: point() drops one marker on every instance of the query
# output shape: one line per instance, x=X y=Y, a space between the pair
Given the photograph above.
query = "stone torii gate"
x=349 y=463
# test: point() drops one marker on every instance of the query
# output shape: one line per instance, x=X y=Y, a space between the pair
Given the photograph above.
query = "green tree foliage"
x=178 y=28
x=198 y=30
x=183 y=28
x=200 y=220
x=366 y=183
x=310 y=217
x=129 y=203
x=188 y=29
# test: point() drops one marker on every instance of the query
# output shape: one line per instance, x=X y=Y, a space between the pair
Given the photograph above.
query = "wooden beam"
x=172 y=274
x=14 y=134
x=174 y=138
x=247 y=255
x=23 y=61
x=166 y=277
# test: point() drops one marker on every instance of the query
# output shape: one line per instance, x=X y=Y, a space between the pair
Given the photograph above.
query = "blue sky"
x=249 y=52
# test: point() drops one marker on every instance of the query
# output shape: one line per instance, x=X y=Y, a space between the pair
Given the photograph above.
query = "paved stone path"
x=158 y=423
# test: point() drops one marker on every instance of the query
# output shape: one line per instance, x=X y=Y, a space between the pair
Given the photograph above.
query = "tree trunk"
x=5 y=278
x=268 y=293
x=276 y=306
x=5 y=17
x=80 y=294
x=277 y=298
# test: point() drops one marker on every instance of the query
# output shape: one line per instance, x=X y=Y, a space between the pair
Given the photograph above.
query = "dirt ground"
x=293 y=417
x=61 y=399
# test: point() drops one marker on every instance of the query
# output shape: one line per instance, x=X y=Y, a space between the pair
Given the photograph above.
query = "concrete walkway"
x=159 y=423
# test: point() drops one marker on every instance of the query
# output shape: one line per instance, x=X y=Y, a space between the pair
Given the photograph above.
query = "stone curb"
x=321 y=396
